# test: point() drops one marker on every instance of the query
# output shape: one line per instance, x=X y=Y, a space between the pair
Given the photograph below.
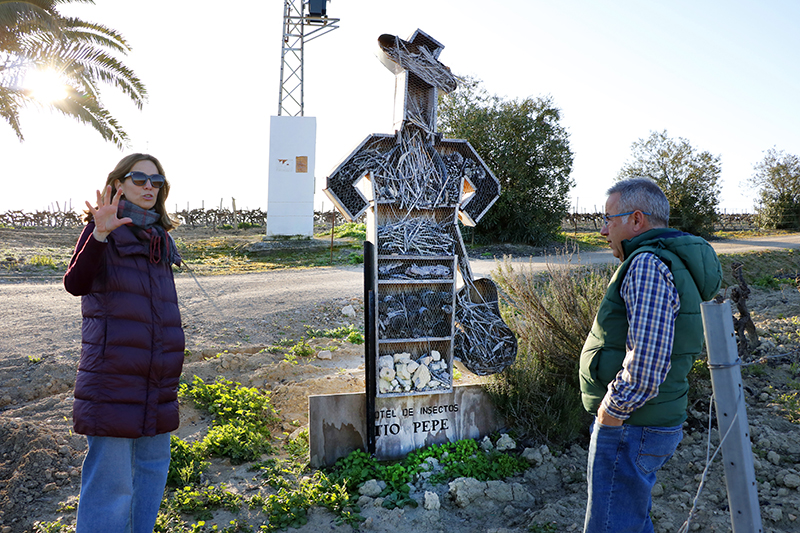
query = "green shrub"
x=551 y=314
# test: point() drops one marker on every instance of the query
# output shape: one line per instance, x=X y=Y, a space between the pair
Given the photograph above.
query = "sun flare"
x=46 y=86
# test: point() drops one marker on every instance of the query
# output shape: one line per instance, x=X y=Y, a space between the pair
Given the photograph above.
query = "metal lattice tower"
x=295 y=35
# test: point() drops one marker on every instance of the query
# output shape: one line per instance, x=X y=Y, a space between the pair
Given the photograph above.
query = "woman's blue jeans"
x=122 y=484
x=623 y=462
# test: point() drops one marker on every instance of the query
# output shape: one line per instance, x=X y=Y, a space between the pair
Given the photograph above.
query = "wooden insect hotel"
x=414 y=187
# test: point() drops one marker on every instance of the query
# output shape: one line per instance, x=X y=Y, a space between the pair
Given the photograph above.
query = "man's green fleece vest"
x=698 y=277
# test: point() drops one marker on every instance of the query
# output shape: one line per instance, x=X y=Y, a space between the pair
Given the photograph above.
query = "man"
x=633 y=367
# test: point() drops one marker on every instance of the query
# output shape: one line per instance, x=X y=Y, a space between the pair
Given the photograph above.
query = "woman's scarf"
x=146 y=227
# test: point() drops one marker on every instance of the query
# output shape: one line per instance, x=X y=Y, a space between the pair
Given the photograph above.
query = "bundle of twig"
x=483 y=342
x=420 y=61
x=418 y=178
x=415 y=236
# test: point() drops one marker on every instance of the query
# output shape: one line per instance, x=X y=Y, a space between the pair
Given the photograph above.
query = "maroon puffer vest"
x=133 y=343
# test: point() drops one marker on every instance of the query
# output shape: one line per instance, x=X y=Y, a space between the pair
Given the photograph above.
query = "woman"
x=126 y=400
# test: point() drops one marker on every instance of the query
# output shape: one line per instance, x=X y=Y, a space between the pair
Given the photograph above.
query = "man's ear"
x=640 y=222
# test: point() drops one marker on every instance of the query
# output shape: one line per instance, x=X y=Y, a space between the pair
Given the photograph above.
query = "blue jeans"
x=623 y=462
x=122 y=484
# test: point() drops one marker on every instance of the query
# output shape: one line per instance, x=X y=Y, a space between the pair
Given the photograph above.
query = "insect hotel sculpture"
x=415 y=186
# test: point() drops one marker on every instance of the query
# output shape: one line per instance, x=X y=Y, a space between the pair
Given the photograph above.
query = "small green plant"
x=200 y=501
x=350 y=333
x=242 y=417
x=355 y=258
x=248 y=225
x=355 y=337
x=51 y=527
x=43 y=261
x=295 y=494
x=187 y=462
x=302 y=349
x=298 y=448
x=755 y=371
x=790 y=405
x=767 y=282
x=69 y=506
x=34 y=359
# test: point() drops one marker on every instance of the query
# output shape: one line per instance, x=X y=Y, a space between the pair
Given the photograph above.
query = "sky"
x=720 y=73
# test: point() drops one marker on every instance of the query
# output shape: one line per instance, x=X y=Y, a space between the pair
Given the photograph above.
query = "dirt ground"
x=40 y=457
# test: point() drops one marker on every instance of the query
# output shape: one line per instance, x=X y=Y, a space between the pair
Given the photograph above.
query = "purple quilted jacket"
x=132 y=340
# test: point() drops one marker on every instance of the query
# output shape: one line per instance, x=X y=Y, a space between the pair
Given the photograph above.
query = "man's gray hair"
x=645 y=195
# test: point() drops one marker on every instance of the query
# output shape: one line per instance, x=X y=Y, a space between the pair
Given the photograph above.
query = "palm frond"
x=89 y=111
x=33 y=35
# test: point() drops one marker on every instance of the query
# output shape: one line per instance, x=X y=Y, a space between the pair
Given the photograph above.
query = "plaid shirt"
x=652 y=304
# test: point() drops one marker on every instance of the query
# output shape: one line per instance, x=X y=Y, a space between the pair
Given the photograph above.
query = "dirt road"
x=41 y=318
x=483 y=267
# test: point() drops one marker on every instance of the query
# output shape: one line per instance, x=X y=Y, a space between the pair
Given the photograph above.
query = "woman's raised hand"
x=105 y=214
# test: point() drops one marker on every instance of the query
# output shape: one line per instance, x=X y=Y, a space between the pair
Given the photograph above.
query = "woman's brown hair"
x=123 y=167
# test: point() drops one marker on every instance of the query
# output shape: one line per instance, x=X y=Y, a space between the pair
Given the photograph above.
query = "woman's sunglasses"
x=140 y=178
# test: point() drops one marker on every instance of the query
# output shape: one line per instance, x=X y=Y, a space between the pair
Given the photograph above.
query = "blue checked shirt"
x=652 y=304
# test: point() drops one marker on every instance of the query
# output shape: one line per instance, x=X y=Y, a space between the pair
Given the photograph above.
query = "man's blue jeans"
x=122 y=484
x=623 y=462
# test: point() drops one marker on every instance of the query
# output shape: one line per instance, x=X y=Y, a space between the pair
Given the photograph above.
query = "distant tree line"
x=527 y=148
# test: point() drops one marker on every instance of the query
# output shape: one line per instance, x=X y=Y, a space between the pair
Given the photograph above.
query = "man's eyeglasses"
x=140 y=178
x=607 y=218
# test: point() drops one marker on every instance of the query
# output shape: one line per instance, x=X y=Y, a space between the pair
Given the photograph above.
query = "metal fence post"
x=726 y=380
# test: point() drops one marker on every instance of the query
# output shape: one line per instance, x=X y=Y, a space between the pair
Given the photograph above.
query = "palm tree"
x=34 y=36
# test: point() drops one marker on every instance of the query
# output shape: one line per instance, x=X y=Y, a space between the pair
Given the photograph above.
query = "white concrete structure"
x=290 y=201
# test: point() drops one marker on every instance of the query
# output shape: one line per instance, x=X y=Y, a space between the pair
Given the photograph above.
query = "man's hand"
x=605 y=419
